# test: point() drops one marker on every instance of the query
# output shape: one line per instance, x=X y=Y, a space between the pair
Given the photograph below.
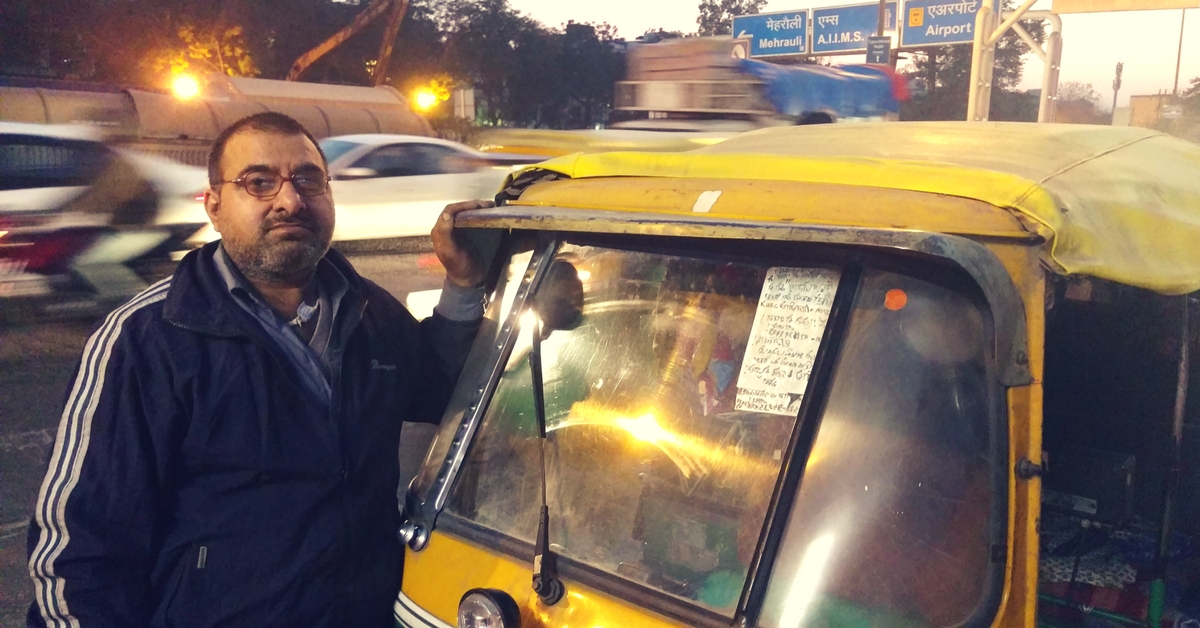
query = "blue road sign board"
x=938 y=22
x=846 y=29
x=774 y=34
x=879 y=49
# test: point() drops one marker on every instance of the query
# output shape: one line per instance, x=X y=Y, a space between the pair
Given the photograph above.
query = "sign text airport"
x=938 y=22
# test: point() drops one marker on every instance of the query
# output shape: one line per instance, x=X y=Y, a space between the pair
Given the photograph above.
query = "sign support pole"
x=982 y=60
x=1049 y=101
x=983 y=54
x=1178 y=57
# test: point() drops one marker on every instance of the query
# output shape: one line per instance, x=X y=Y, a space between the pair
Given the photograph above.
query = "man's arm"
x=463 y=266
x=446 y=337
x=92 y=539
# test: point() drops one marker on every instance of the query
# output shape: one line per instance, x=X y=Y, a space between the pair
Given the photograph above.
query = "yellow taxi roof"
x=1118 y=203
x=547 y=143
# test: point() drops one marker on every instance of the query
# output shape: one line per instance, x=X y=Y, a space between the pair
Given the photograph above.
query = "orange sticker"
x=916 y=17
x=895 y=299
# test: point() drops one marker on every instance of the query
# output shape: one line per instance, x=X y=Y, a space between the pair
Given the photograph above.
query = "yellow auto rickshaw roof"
x=1117 y=203
x=547 y=143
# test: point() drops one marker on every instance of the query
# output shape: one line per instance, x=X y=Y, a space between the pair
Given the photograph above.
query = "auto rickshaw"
x=813 y=377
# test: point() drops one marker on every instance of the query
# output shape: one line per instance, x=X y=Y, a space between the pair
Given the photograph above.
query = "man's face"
x=278 y=239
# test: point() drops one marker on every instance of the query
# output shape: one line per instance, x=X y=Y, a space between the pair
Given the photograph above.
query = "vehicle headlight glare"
x=488 y=608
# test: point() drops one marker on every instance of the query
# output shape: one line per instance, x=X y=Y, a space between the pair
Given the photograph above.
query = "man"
x=227 y=453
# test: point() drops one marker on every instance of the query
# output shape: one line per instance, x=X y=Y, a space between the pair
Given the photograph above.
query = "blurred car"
x=396 y=185
x=82 y=223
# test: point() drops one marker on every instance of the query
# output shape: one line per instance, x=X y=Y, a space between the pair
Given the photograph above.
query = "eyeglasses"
x=266 y=185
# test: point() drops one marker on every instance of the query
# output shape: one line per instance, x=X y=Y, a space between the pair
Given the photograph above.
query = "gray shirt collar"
x=311 y=359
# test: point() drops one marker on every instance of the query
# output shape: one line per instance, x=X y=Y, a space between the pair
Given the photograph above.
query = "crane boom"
x=379 y=73
x=370 y=14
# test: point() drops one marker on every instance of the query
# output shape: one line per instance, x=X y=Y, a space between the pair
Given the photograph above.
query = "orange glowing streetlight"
x=425 y=99
x=185 y=87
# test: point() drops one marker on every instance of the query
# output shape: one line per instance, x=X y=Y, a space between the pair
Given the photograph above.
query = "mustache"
x=301 y=219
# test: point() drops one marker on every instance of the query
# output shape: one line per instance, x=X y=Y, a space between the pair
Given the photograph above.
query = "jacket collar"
x=199 y=298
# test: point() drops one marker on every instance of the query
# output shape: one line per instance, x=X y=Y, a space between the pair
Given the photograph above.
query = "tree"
x=655 y=35
x=220 y=47
x=487 y=44
x=716 y=16
x=1072 y=90
x=129 y=42
x=525 y=74
x=1191 y=98
x=590 y=66
x=37 y=39
x=1079 y=103
x=945 y=73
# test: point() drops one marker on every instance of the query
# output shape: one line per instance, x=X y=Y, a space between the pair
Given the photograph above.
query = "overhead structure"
x=184 y=129
x=983 y=55
x=987 y=34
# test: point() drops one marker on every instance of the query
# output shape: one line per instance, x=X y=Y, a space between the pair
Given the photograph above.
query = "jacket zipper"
x=335 y=413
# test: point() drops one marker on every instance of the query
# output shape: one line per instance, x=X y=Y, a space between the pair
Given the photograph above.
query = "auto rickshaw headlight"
x=488 y=608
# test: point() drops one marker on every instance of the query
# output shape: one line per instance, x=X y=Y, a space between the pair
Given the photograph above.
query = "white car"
x=45 y=166
x=387 y=186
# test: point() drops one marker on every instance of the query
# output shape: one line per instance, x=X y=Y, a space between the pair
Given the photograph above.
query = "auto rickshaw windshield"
x=673 y=396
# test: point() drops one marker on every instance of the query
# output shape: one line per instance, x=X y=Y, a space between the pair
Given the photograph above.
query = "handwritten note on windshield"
x=788 y=325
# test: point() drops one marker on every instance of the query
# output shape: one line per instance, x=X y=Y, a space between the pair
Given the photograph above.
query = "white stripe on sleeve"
x=70 y=448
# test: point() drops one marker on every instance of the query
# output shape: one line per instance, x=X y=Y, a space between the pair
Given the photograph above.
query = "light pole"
x=1179 y=56
x=1116 y=88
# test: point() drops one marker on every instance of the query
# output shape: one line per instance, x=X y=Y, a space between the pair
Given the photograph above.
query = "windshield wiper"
x=545 y=572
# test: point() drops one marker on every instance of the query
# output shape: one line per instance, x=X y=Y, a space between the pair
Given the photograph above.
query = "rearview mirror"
x=355 y=173
x=559 y=300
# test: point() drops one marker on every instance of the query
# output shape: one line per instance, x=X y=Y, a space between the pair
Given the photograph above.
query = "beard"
x=282 y=260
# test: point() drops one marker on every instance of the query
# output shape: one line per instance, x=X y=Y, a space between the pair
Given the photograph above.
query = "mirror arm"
x=545 y=572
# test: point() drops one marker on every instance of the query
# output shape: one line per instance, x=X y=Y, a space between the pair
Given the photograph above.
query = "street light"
x=426 y=99
x=185 y=87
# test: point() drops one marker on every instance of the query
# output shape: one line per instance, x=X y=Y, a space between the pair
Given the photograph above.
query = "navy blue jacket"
x=193 y=483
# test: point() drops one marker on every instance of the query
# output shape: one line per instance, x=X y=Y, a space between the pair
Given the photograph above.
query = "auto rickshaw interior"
x=1114 y=470
x=688 y=383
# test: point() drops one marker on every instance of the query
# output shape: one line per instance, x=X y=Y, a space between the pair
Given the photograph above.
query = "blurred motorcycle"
x=83 y=226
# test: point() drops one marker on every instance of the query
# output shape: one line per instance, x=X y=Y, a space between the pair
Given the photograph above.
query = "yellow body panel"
x=1019 y=603
x=1000 y=189
x=806 y=203
x=431 y=585
x=551 y=143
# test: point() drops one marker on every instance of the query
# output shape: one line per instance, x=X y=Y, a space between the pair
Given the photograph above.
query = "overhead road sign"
x=879 y=49
x=938 y=22
x=846 y=29
x=1097 y=6
x=774 y=34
